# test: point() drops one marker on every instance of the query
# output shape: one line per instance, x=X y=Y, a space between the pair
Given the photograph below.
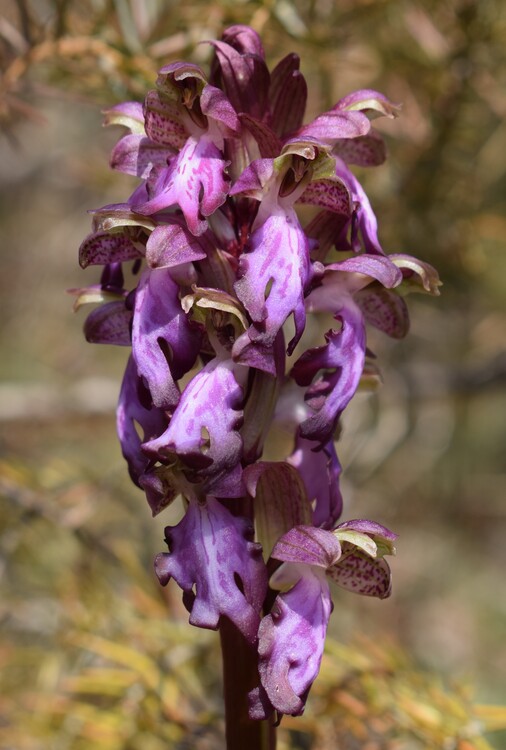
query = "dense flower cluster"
x=224 y=269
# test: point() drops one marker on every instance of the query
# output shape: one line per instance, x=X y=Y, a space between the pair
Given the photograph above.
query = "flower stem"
x=240 y=675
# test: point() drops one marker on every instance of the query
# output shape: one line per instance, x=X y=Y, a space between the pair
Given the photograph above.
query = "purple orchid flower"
x=225 y=277
x=292 y=636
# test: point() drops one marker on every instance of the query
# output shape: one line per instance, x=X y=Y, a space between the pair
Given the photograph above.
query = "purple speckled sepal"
x=272 y=276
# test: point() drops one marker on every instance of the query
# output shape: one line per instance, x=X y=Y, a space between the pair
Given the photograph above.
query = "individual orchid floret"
x=195 y=180
x=275 y=269
x=214 y=559
x=341 y=361
x=292 y=636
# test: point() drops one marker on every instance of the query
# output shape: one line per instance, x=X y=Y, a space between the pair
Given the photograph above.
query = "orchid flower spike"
x=225 y=276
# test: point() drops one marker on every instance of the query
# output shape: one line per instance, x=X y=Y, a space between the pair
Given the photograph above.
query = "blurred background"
x=94 y=654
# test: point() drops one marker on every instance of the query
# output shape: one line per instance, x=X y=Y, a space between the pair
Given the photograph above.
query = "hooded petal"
x=214 y=560
x=118 y=216
x=100 y=248
x=330 y=127
x=308 y=545
x=373 y=528
x=128 y=114
x=356 y=571
x=341 y=280
x=417 y=275
x=162 y=333
x=291 y=641
x=370 y=101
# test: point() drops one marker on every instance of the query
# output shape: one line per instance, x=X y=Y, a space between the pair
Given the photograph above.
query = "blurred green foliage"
x=94 y=653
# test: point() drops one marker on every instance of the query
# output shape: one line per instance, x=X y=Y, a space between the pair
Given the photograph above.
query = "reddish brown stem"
x=240 y=675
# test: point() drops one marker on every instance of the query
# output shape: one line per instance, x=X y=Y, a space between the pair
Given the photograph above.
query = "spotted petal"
x=356 y=571
x=365 y=151
x=163 y=121
x=385 y=310
x=109 y=324
x=100 y=248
